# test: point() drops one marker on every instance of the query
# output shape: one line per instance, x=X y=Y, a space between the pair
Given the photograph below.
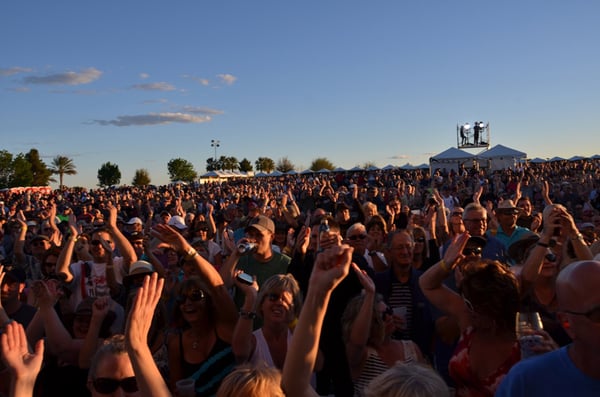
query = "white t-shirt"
x=95 y=284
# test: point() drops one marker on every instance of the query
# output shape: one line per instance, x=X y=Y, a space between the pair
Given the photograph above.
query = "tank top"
x=374 y=366
x=209 y=373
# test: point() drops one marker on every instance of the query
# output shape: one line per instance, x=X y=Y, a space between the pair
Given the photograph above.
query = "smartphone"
x=245 y=278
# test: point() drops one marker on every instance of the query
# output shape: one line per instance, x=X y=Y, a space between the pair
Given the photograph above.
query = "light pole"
x=214 y=143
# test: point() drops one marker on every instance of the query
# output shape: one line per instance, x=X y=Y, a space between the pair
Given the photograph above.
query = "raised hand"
x=331 y=267
x=365 y=280
x=142 y=312
x=24 y=365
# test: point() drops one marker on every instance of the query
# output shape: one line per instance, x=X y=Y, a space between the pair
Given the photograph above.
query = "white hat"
x=178 y=222
x=137 y=267
x=135 y=220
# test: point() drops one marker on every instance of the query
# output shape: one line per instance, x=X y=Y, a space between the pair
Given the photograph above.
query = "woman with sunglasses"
x=368 y=327
x=426 y=252
x=277 y=304
x=539 y=261
x=485 y=308
x=205 y=315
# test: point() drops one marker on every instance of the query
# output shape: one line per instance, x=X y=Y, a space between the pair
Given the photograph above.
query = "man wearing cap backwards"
x=103 y=276
x=38 y=246
x=508 y=231
x=573 y=370
x=12 y=281
x=262 y=262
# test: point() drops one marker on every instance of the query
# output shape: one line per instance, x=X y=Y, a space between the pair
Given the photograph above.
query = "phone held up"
x=245 y=278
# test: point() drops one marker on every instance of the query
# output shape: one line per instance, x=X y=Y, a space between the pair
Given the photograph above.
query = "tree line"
x=28 y=169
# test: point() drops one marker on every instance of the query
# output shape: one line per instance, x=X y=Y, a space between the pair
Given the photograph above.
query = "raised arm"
x=23 y=364
x=331 y=267
x=149 y=378
x=90 y=342
x=431 y=282
x=244 y=341
x=227 y=313
x=124 y=246
x=356 y=345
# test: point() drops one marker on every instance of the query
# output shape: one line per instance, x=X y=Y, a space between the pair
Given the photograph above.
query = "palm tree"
x=63 y=165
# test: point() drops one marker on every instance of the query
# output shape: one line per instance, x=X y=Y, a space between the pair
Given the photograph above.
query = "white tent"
x=451 y=159
x=501 y=157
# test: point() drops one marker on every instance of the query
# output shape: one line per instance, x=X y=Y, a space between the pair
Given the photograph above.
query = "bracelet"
x=191 y=253
x=444 y=266
x=579 y=236
x=247 y=315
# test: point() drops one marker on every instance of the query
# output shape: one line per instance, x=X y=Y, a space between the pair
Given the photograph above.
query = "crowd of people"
x=374 y=283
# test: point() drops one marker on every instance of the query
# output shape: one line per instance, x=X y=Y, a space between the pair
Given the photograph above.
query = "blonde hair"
x=281 y=283
x=407 y=380
x=252 y=381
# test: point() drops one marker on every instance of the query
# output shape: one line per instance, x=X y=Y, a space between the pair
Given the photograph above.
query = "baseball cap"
x=178 y=222
x=262 y=224
x=507 y=206
x=135 y=220
x=137 y=268
x=40 y=237
x=15 y=273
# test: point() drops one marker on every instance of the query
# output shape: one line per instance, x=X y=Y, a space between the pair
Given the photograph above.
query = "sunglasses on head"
x=472 y=251
x=194 y=295
x=109 y=385
x=357 y=237
x=593 y=314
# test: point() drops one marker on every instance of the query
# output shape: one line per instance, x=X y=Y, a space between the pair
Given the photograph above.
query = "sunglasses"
x=593 y=314
x=109 y=385
x=357 y=237
x=273 y=297
x=98 y=242
x=49 y=264
x=550 y=257
x=38 y=243
x=387 y=312
x=194 y=295
x=457 y=213
x=420 y=240
x=472 y=251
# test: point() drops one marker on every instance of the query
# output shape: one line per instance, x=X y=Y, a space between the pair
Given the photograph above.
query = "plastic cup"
x=528 y=342
x=400 y=311
x=186 y=387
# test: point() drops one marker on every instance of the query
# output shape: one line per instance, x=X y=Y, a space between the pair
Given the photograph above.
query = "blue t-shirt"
x=551 y=374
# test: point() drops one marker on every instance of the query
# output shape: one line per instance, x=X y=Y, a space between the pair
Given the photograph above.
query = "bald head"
x=577 y=285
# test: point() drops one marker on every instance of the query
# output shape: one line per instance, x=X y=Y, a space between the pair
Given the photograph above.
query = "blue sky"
x=138 y=83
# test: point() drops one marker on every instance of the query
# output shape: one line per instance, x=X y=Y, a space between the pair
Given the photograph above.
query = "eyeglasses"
x=203 y=229
x=387 y=312
x=593 y=314
x=98 y=242
x=194 y=295
x=357 y=237
x=109 y=385
x=420 y=240
x=472 y=251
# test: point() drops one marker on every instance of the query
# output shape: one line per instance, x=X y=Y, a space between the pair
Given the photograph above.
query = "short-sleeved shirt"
x=278 y=264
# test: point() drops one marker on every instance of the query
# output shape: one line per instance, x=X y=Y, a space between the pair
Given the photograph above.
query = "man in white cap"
x=508 y=232
x=260 y=261
x=135 y=224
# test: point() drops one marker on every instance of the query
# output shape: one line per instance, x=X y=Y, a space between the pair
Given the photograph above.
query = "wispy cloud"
x=399 y=157
x=153 y=119
x=226 y=78
x=201 y=110
x=161 y=86
x=150 y=101
x=200 y=80
x=13 y=70
x=19 y=89
x=86 y=76
x=144 y=76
